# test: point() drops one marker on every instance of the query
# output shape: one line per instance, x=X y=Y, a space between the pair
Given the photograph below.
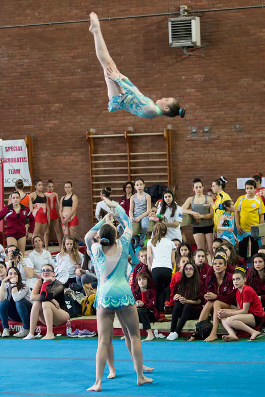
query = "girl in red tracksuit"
x=16 y=215
x=219 y=294
x=256 y=276
x=145 y=299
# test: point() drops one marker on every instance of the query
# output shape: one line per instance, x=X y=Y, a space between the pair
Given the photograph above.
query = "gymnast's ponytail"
x=221 y=182
x=107 y=235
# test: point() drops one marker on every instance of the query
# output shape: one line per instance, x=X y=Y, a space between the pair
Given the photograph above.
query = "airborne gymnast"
x=122 y=93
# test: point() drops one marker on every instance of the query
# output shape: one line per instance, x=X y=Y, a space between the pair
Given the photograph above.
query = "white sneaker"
x=172 y=336
x=22 y=333
x=29 y=336
x=5 y=333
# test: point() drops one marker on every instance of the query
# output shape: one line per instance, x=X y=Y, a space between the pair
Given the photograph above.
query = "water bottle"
x=68 y=328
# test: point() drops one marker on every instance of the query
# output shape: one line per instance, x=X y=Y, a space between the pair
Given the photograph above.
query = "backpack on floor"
x=203 y=329
x=87 y=305
x=74 y=308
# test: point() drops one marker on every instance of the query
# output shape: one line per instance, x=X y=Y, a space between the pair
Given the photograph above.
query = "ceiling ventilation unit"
x=184 y=32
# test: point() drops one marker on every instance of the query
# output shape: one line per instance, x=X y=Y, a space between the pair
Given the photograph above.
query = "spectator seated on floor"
x=177 y=276
x=67 y=261
x=145 y=299
x=48 y=303
x=39 y=257
x=219 y=294
x=24 y=265
x=141 y=266
x=15 y=302
x=188 y=295
x=86 y=273
x=256 y=276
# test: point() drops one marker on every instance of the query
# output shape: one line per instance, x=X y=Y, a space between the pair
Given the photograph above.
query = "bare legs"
x=105 y=318
x=243 y=322
x=128 y=341
x=217 y=305
x=204 y=241
x=39 y=230
x=20 y=243
x=53 y=316
x=55 y=224
x=48 y=315
x=209 y=241
x=103 y=55
x=210 y=306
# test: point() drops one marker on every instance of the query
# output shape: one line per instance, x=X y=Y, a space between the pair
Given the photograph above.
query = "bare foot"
x=95 y=387
x=229 y=338
x=144 y=380
x=148 y=338
x=94 y=22
x=254 y=335
x=112 y=374
x=211 y=338
x=191 y=339
x=48 y=336
x=145 y=368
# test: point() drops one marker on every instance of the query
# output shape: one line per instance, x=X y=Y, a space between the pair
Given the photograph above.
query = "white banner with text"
x=16 y=164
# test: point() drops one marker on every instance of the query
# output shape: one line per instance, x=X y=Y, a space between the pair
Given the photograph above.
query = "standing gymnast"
x=114 y=295
x=54 y=216
x=122 y=93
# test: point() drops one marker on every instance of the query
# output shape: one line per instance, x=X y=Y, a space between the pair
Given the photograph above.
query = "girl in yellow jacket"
x=218 y=187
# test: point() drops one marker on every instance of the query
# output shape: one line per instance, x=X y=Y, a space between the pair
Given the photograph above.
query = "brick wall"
x=53 y=88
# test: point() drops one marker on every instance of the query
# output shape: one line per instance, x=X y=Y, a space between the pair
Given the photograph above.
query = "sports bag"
x=203 y=329
x=87 y=305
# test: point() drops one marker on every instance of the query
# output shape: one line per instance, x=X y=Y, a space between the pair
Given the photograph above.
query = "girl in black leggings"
x=160 y=260
x=187 y=300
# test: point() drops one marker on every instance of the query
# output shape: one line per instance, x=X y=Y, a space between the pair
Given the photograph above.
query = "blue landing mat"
x=67 y=367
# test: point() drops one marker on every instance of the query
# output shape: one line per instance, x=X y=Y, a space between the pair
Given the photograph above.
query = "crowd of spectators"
x=170 y=278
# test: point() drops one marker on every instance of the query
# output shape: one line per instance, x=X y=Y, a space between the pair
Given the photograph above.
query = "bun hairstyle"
x=106 y=191
x=241 y=270
x=258 y=177
x=19 y=184
x=221 y=182
x=49 y=181
x=107 y=235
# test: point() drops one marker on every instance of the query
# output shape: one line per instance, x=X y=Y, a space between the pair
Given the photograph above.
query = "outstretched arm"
x=90 y=235
x=120 y=214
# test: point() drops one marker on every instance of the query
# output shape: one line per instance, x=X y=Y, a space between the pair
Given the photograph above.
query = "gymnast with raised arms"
x=110 y=257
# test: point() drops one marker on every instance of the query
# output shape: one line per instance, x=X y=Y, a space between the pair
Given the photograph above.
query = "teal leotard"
x=113 y=291
x=133 y=101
